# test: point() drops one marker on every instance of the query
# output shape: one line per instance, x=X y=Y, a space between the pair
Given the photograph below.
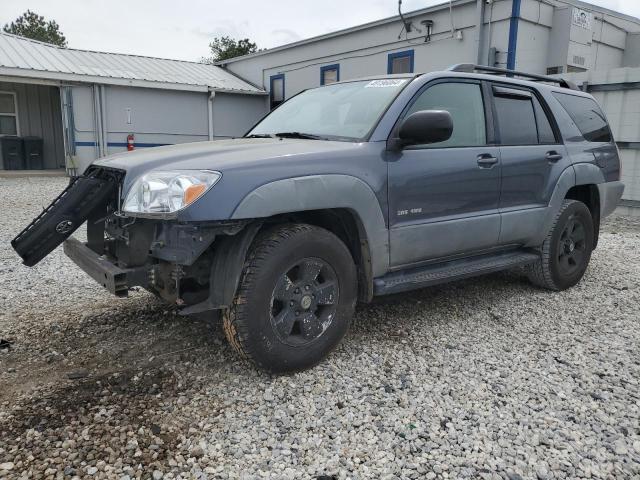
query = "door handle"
x=553 y=156
x=486 y=160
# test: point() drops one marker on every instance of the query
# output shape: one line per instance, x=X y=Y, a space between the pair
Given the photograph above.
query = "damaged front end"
x=193 y=265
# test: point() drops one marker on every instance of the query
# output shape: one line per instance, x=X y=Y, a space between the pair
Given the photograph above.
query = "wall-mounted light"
x=428 y=25
x=458 y=34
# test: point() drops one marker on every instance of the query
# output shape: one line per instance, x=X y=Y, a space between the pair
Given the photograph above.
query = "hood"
x=223 y=155
x=248 y=163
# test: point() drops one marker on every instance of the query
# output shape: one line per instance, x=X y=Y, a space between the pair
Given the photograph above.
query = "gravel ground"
x=486 y=378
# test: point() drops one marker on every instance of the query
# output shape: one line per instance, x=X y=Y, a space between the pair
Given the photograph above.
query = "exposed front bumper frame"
x=115 y=279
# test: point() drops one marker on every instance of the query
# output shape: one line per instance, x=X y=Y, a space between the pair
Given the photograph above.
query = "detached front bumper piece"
x=115 y=279
x=85 y=196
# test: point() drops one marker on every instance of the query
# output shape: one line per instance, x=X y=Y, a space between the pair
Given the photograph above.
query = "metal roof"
x=25 y=58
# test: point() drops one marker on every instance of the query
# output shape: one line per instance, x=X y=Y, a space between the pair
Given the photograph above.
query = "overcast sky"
x=182 y=29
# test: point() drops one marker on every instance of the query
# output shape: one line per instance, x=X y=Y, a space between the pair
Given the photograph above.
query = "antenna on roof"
x=407 y=25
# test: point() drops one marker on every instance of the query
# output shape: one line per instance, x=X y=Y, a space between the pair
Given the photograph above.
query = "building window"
x=329 y=74
x=400 y=62
x=276 y=90
x=8 y=114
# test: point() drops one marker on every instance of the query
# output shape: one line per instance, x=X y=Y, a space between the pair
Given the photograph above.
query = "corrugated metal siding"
x=25 y=54
x=39 y=115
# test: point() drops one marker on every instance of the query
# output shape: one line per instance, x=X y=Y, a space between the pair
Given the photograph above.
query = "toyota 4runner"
x=344 y=192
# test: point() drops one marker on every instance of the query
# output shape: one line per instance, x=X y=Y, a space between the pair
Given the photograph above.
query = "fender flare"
x=573 y=175
x=318 y=192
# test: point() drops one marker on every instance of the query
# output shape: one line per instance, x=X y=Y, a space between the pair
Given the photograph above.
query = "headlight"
x=168 y=191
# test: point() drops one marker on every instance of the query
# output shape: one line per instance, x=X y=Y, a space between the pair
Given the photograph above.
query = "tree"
x=34 y=26
x=223 y=48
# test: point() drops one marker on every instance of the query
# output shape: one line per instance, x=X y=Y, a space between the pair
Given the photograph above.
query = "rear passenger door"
x=533 y=158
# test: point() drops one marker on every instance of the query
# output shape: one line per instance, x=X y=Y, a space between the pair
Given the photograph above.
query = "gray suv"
x=347 y=191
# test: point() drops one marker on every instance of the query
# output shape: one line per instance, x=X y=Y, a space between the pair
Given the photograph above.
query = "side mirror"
x=426 y=126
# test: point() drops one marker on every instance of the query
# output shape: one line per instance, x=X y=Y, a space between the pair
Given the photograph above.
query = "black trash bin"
x=33 y=147
x=12 y=153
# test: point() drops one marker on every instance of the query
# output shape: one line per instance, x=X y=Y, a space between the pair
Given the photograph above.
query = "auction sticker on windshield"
x=385 y=83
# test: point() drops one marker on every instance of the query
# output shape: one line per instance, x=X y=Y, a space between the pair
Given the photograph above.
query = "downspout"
x=513 y=34
x=479 y=30
x=97 y=121
x=212 y=96
x=103 y=121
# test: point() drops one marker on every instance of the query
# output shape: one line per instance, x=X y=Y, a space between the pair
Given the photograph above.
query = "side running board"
x=449 y=271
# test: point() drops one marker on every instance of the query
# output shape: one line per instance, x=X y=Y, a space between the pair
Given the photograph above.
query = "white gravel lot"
x=486 y=378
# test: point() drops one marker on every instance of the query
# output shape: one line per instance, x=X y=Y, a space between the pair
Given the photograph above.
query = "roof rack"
x=471 y=68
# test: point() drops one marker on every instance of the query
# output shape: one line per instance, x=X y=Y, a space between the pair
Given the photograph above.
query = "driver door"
x=443 y=197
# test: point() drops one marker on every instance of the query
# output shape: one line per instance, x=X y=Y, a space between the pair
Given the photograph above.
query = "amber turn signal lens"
x=193 y=192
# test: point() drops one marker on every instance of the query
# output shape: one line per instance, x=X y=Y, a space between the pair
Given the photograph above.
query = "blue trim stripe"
x=335 y=66
x=513 y=35
x=122 y=144
x=392 y=56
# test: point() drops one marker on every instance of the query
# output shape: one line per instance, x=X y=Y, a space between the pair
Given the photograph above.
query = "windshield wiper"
x=308 y=136
x=260 y=135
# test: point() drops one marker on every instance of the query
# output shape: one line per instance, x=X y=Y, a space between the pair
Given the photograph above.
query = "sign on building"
x=582 y=18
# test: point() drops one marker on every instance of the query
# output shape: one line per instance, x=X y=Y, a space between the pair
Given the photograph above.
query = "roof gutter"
x=47 y=77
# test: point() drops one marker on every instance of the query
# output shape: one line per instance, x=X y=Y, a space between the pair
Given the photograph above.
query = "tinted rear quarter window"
x=587 y=116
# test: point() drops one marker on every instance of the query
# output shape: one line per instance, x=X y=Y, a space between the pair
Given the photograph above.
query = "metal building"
x=550 y=37
x=85 y=105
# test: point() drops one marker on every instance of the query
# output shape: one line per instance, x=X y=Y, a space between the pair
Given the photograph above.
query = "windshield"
x=341 y=111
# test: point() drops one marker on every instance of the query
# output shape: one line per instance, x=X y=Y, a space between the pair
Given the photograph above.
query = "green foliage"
x=34 y=26
x=223 y=48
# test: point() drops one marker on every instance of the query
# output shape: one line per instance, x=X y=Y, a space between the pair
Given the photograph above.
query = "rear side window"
x=587 y=116
x=516 y=120
x=545 y=132
x=521 y=118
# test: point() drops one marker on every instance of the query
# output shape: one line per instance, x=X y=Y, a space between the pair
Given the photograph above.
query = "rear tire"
x=295 y=299
x=566 y=251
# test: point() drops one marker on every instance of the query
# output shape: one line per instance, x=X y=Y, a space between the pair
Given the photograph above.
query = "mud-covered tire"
x=566 y=251
x=282 y=261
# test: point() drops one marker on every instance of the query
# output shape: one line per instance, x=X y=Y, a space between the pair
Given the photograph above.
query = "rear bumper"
x=115 y=279
x=610 y=195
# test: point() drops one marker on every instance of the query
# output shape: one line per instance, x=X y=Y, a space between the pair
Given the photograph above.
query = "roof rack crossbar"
x=471 y=68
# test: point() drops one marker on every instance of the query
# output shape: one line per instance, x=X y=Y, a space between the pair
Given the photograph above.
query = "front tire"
x=566 y=251
x=295 y=300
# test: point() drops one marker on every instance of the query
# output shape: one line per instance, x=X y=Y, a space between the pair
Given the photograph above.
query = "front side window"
x=587 y=116
x=400 y=62
x=464 y=102
x=276 y=91
x=8 y=114
x=329 y=74
x=341 y=111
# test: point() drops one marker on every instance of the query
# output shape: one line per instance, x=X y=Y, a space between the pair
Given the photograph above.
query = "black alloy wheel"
x=304 y=302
